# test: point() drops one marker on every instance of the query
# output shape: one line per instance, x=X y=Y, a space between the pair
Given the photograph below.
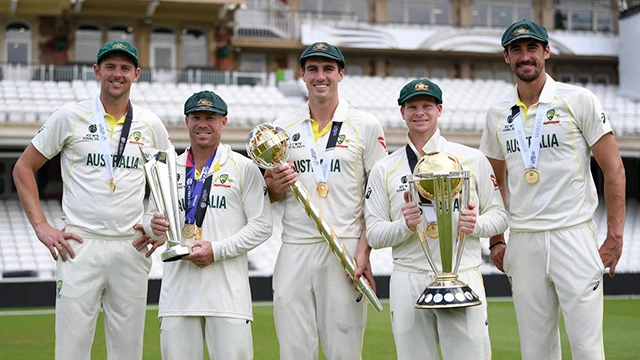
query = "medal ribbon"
x=427 y=206
x=196 y=192
x=321 y=171
x=529 y=152
x=98 y=115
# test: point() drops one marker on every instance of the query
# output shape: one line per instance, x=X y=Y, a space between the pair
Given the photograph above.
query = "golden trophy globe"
x=268 y=147
x=439 y=178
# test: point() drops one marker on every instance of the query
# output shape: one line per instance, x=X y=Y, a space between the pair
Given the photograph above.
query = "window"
x=484 y=74
x=589 y=15
x=438 y=73
x=431 y=12
x=401 y=72
x=194 y=48
x=566 y=77
x=500 y=13
x=253 y=62
x=602 y=79
x=584 y=79
x=163 y=48
x=18 y=43
x=420 y=73
x=336 y=9
x=121 y=33
x=354 y=70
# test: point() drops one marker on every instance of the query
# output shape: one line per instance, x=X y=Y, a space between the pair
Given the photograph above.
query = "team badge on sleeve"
x=494 y=181
x=381 y=141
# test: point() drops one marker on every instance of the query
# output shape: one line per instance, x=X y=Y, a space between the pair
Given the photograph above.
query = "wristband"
x=496 y=244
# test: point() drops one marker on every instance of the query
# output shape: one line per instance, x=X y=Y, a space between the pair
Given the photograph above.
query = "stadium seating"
x=465 y=100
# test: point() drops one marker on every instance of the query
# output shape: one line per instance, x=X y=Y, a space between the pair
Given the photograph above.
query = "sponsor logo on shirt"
x=91 y=135
x=58 y=288
x=296 y=143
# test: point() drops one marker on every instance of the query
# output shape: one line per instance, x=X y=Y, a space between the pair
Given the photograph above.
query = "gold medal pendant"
x=198 y=233
x=322 y=189
x=188 y=231
x=532 y=176
x=112 y=185
x=432 y=230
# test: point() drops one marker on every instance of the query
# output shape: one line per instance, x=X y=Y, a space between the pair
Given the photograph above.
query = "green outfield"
x=28 y=335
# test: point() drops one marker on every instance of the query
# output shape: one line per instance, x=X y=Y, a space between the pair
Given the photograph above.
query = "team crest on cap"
x=321 y=47
x=521 y=30
x=118 y=46
x=204 y=102
x=421 y=86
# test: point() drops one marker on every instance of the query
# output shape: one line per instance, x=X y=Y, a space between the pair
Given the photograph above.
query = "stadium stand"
x=465 y=100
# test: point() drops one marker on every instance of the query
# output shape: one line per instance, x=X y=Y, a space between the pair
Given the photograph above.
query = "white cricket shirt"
x=87 y=203
x=565 y=194
x=359 y=146
x=386 y=226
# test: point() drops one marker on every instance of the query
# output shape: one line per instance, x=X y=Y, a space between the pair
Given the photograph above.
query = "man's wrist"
x=496 y=244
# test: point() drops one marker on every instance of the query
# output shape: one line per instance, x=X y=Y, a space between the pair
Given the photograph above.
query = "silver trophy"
x=160 y=170
x=268 y=147
x=439 y=177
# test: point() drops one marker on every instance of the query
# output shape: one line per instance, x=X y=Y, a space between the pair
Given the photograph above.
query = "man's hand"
x=468 y=219
x=142 y=241
x=57 y=241
x=610 y=253
x=363 y=266
x=411 y=212
x=159 y=225
x=497 y=247
x=201 y=254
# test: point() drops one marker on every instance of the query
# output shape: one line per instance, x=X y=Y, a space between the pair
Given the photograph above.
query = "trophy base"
x=175 y=252
x=447 y=294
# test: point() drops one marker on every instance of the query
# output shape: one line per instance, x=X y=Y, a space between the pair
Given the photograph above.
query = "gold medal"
x=112 y=185
x=432 y=230
x=532 y=176
x=188 y=231
x=198 y=234
x=322 y=189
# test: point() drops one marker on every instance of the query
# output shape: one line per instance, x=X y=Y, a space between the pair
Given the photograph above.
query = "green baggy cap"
x=118 y=46
x=205 y=101
x=420 y=87
x=322 y=49
x=524 y=29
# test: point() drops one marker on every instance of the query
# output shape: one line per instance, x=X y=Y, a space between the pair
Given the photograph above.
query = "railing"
x=275 y=20
x=41 y=72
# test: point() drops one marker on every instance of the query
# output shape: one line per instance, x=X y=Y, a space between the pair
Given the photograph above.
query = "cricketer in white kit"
x=543 y=134
x=460 y=333
x=205 y=297
x=105 y=266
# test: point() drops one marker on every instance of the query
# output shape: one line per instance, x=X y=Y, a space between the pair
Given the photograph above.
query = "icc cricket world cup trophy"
x=439 y=178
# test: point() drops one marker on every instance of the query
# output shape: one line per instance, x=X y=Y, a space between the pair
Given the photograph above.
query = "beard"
x=529 y=77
